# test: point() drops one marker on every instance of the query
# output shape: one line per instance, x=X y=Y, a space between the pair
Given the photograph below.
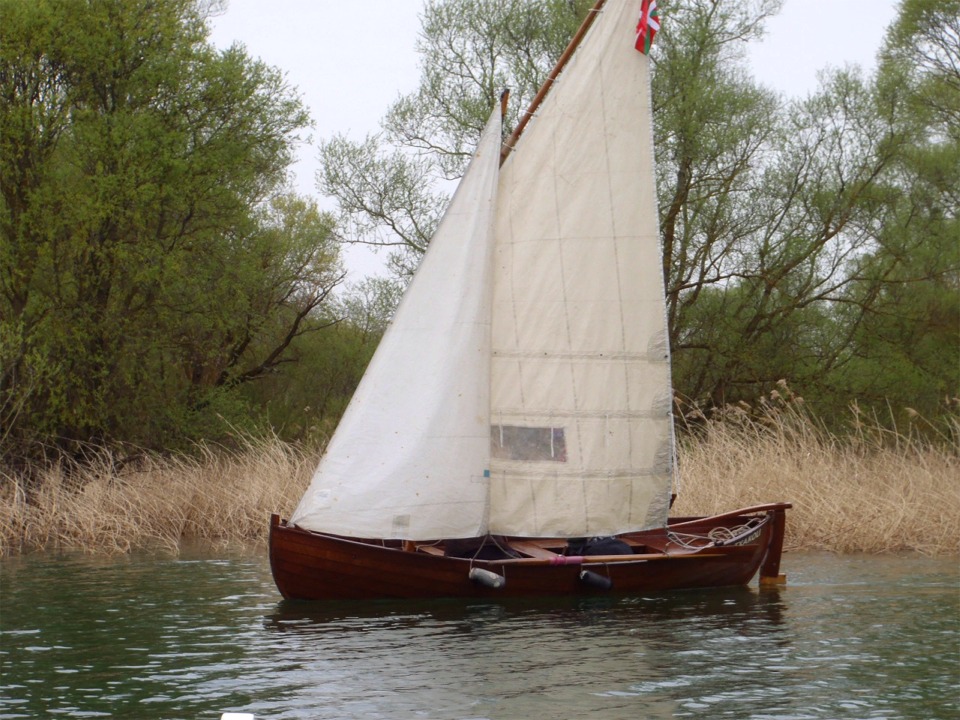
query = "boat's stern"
x=770 y=574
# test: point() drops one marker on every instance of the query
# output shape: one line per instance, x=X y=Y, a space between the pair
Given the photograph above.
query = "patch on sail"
x=657 y=347
x=401 y=526
x=528 y=444
x=663 y=459
x=662 y=403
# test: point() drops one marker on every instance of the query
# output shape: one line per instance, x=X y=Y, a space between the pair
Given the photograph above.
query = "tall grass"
x=872 y=491
x=223 y=496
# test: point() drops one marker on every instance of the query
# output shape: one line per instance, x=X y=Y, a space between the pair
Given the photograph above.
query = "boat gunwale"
x=678 y=553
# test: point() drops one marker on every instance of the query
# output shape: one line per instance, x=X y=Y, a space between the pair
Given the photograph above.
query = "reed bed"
x=872 y=491
x=222 y=496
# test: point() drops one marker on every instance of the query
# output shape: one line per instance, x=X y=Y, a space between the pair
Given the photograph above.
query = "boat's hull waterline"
x=315 y=566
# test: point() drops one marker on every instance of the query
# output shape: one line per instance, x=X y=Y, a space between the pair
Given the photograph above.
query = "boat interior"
x=682 y=536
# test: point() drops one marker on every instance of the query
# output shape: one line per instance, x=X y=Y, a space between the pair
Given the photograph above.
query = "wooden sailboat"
x=513 y=432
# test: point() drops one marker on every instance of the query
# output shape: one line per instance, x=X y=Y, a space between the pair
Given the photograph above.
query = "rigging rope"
x=719 y=535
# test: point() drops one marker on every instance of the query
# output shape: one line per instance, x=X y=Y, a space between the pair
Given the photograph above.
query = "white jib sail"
x=581 y=399
x=409 y=457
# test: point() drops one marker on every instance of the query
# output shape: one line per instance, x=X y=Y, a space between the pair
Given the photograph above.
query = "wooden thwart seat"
x=430 y=550
x=531 y=549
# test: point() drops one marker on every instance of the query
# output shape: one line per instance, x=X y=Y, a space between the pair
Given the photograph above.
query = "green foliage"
x=817 y=240
x=713 y=209
x=905 y=346
x=471 y=50
x=158 y=284
x=386 y=198
x=813 y=240
x=390 y=187
x=148 y=252
x=305 y=402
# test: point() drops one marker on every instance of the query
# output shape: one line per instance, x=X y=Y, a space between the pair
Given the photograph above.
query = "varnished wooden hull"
x=315 y=566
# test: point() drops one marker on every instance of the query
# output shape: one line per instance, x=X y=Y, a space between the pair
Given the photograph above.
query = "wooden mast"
x=511 y=141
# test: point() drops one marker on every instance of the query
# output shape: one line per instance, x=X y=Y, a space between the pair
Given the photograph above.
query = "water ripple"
x=146 y=637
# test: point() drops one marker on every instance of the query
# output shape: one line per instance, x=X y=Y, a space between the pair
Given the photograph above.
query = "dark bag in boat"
x=598 y=546
x=490 y=547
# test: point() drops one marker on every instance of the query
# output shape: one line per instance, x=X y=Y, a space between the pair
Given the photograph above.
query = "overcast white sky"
x=351 y=58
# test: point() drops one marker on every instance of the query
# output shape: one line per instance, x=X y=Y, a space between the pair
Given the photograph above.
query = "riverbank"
x=870 y=492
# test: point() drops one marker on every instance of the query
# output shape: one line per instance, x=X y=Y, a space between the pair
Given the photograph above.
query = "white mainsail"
x=560 y=425
x=581 y=405
x=409 y=457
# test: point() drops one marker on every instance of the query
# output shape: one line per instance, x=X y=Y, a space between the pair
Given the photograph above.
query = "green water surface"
x=151 y=637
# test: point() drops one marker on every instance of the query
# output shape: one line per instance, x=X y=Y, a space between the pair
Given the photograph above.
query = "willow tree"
x=905 y=349
x=777 y=217
x=150 y=260
x=392 y=186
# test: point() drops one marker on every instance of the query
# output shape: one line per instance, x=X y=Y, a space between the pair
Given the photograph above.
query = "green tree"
x=305 y=402
x=714 y=128
x=150 y=256
x=390 y=188
x=789 y=247
x=905 y=351
x=786 y=227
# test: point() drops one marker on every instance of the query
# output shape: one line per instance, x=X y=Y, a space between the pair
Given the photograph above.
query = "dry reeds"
x=223 y=496
x=871 y=491
x=875 y=490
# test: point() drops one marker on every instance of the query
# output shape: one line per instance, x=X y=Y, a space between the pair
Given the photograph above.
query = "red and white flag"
x=648 y=26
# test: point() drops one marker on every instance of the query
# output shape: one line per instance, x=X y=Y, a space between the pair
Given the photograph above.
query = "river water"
x=162 y=638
